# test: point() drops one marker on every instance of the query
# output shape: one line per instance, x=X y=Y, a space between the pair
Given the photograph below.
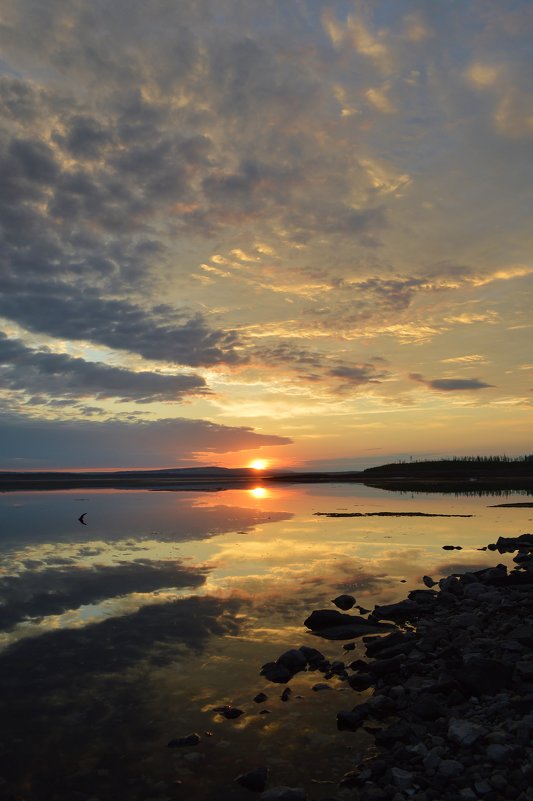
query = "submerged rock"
x=229 y=712
x=255 y=780
x=183 y=742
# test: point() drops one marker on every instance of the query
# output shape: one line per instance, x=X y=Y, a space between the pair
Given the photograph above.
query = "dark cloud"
x=359 y=374
x=53 y=591
x=450 y=384
x=58 y=374
x=28 y=443
x=160 y=333
x=156 y=631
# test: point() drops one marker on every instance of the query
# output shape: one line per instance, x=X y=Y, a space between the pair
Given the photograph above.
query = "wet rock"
x=333 y=625
x=428 y=581
x=285 y=695
x=284 y=794
x=294 y=660
x=260 y=698
x=313 y=655
x=354 y=719
x=255 y=780
x=320 y=686
x=183 y=742
x=361 y=681
x=349 y=646
x=344 y=601
x=385 y=666
x=276 y=673
x=229 y=712
x=399 y=612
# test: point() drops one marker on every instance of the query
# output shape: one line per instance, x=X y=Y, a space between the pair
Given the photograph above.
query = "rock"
x=333 y=625
x=361 y=681
x=399 y=612
x=375 y=645
x=450 y=768
x=228 y=712
x=276 y=673
x=260 y=698
x=448 y=547
x=523 y=634
x=255 y=780
x=344 y=601
x=353 y=720
x=349 y=646
x=285 y=694
x=182 y=742
x=427 y=707
x=481 y=675
x=464 y=732
x=428 y=581
x=294 y=660
x=313 y=655
x=385 y=666
x=498 y=753
x=402 y=779
x=320 y=686
x=284 y=794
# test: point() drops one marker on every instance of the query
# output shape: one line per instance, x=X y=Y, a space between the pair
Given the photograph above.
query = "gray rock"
x=498 y=753
x=450 y=768
x=402 y=779
x=464 y=732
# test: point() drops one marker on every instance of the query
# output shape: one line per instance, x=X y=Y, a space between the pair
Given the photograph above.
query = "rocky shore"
x=448 y=687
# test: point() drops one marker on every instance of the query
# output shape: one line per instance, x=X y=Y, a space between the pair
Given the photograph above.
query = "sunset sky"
x=291 y=230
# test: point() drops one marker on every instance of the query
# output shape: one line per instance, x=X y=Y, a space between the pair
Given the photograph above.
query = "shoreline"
x=170 y=481
x=448 y=694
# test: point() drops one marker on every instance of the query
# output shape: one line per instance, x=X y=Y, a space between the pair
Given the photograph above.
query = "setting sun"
x=258 y=464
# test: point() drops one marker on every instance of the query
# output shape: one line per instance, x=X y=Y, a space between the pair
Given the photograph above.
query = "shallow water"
x=122 y=634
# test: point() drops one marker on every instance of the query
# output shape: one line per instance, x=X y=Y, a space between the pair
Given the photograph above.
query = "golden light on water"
x=258 y=492
x=258 y=464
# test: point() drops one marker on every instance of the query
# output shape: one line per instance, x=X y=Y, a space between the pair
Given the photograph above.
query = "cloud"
x=155 y=632
x=53 y=591
x=28 y=443
x=159 y=333
x=57 y=374
x=451 y=384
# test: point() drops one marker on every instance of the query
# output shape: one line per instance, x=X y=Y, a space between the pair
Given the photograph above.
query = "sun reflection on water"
x=259 y=492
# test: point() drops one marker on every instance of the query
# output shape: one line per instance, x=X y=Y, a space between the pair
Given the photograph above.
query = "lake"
x=122 y=634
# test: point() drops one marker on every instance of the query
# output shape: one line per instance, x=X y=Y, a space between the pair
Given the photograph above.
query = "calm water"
x=122 y=634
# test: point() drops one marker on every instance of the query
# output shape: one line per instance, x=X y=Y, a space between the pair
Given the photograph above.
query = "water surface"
x=122 y=634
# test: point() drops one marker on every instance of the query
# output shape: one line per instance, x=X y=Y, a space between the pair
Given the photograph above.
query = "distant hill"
x=463 y=467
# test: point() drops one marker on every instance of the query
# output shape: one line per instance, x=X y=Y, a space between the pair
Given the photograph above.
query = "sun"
x=258 y=464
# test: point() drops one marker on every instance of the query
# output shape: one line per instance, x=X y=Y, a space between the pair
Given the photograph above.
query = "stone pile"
x=451 y=707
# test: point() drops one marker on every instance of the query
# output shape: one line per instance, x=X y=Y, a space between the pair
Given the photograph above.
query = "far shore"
x=218 y=479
